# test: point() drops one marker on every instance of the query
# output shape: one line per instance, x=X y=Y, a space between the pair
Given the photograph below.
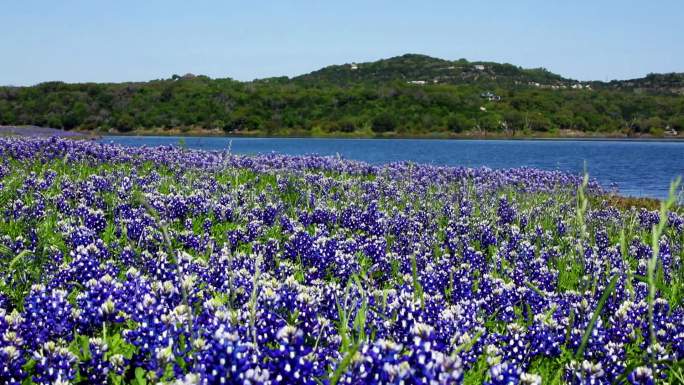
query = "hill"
x=669 y=83
x=409 y=95
x=422 y=69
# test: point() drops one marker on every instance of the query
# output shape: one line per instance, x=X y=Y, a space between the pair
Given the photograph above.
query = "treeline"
x=281 y=106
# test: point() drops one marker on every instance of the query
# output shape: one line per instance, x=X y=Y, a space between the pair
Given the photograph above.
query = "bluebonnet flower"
x=515 y=346
x=95 y=220
x=506 y=212
x=429 y=364
x=11 y=365
x=292 y=361
x=381 y=362
x=81 y=236
x=47 y=316
x=54 y=365
x=100 y=302
x=504 y=374
x=641 y=376
x=586 y=373
x=96 y=368
x=85 y=264
x=226 y=359
x=547 y=336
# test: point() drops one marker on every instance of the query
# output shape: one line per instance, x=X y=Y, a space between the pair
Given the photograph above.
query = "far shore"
x=472 y=135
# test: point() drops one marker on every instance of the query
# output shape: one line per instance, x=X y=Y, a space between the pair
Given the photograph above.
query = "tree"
x=579 y=123
x=677 y=122
x=489 y=122
x=538 y=122
x=218 y=124
x=457 y=122
x=243 y=123
x=383 y=122
x=54 y=120
x=654 y=124
x=125 y=123
x=75 y=117
x=345 y=125
x=513 y=120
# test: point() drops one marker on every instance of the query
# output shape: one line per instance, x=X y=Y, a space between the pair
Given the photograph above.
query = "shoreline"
x=558 y=136
x=616 y=199
x=257 y=135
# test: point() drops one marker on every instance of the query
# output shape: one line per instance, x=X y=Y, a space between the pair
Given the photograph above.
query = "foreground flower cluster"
x=165 y=265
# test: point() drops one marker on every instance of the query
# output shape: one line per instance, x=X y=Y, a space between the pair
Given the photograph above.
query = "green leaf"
x=140 y=376
x=602 y=301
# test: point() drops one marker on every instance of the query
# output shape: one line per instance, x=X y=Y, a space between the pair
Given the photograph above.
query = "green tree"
x=513 y=121
x=457 y=122
x=677 y=122
x=489 y=122
x=384 y=122
x=345 y=125
x=125 y=123
x=218 y=124
x=536 y=121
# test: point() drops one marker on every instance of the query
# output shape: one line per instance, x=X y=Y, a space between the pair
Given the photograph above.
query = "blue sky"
x=115 y=41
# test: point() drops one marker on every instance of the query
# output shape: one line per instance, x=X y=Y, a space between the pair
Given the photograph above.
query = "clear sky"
x=123 y=40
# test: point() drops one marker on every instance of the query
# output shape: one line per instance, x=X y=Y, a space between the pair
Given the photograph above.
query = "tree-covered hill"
x=421 y=68
x=406 y=95
x=669 y=83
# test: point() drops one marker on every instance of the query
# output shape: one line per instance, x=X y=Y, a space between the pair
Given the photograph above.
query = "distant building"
x=492 y=97
x=418 y=82
x=353 y=66
x=669 y=131
x=479 y=67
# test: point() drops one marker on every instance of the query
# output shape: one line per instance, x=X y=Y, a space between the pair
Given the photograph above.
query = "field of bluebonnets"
x=166 y=265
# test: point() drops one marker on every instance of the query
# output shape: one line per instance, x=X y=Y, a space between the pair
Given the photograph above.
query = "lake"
x=635 y=168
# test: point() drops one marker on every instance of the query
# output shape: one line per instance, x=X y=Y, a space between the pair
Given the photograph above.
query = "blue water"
x=636 y=168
